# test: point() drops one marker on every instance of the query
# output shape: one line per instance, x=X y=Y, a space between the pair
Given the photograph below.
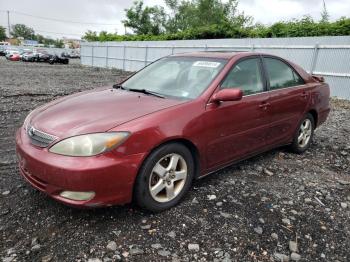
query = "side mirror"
x=318 y=78
x=229 y=94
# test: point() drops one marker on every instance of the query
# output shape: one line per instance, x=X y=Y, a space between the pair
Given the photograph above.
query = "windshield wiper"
x=145 y=91
x=118 y=86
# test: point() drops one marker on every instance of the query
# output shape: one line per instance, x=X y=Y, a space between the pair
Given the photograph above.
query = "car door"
x=288 y=98
x=235 y=129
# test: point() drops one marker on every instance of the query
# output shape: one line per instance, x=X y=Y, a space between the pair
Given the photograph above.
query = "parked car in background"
x=29 y=57
x=42 y=56
x=14 y=57
x=64 y=54
x=74 y=54
x=10 y=52
x=178 y=119
x=23 y=51
x=2 y=50
x=56 y=59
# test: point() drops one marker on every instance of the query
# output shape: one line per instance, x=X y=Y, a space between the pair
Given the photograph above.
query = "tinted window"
x=281 y=75
x=245 y=75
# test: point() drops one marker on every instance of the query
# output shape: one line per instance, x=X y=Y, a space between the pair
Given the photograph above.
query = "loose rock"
x=343 y=205
x=281 y=257
x=295 y=257
x=258 y=230
x=193 y=247
x=274 y=236
x=286 y=221
x=293 y=247
x=211 y=197
x=164 y=253
x=112 y=246
x=171 y=234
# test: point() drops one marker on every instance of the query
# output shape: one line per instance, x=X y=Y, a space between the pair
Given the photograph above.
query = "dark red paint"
x=218 y=132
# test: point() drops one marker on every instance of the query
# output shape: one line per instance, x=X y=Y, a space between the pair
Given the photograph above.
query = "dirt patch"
x=257 y=207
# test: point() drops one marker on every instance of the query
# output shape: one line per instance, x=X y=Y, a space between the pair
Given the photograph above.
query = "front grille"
x=39 y=138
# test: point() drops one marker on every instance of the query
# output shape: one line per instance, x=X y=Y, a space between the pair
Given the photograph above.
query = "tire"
x=303 y=136
x=158 y=173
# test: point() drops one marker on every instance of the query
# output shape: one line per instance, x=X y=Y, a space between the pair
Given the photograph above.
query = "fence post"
x=172 y=50
x=206 y=48
x=146 y=55
x=92 y=55
x=107 y=55
x=252 y=48
x=124 y=57
x=314 y=58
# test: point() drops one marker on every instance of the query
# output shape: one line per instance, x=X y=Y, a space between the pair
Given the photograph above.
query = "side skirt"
x=242 y=159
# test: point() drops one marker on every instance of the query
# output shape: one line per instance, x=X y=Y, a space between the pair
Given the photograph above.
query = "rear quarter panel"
x=319 y=101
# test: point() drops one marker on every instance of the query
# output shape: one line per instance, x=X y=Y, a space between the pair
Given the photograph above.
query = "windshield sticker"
x=206 y=64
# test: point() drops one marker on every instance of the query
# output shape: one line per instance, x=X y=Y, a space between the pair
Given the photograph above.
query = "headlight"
x=89 y=145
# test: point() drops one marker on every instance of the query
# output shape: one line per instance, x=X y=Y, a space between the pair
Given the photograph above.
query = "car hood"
x=95 y=111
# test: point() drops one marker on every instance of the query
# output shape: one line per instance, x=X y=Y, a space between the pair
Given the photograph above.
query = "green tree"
x=91 y=36
x=204 y=13
x=145 y=20
x=324 y=14
x=21 y=30
x=2 y=33
x=59 y=43
x=205 y=19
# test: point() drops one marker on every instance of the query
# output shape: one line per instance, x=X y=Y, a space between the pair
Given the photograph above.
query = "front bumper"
x=111 y=176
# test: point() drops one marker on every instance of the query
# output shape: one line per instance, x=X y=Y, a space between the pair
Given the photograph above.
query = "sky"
x=97 y=15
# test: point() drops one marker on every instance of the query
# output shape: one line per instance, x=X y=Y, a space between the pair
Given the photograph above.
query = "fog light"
x=77 y=195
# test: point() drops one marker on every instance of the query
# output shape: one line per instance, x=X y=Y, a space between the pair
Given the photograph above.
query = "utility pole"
x=8 y=22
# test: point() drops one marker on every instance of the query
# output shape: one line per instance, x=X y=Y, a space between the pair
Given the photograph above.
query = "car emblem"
x=31 y=131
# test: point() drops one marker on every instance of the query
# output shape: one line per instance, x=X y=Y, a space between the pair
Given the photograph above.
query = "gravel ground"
x=275 y=206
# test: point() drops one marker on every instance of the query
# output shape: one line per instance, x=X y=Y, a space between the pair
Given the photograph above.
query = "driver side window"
x=245 y=75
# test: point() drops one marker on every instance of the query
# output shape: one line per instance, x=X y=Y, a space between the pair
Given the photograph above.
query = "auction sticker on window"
x=206 y=64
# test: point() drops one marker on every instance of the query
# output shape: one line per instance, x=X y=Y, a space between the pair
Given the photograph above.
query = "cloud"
x=112 y=12
x=270 y=11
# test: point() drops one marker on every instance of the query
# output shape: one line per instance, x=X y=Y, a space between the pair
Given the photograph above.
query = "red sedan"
x=178 y=119
x=14 y=57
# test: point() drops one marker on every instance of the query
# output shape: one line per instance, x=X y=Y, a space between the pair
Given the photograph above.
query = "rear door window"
x=281 y=75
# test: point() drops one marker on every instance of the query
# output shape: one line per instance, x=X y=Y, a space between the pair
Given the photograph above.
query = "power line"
x=58 y=20
x=57 y=33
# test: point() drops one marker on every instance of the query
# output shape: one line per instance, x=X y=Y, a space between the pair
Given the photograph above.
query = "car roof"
x=238 y=55
x=216 y=54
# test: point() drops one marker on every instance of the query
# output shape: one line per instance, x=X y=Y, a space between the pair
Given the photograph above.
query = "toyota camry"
x=180 y=118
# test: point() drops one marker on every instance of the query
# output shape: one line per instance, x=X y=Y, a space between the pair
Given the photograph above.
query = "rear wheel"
x=304 y=135
x=164 y=178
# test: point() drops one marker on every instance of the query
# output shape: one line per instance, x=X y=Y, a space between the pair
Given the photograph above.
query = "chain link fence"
x=326 y=56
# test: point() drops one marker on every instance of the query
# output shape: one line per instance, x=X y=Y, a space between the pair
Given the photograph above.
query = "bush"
x=294 y=28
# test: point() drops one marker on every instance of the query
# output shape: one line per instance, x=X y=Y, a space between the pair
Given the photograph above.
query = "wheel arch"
x=314 y=114
x=187 y=143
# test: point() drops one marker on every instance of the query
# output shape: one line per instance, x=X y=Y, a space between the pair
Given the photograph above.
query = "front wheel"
x=164 y=178
x=304 y=135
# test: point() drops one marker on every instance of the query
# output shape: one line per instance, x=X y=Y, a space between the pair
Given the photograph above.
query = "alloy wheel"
x=168 y=178
x=305 y=132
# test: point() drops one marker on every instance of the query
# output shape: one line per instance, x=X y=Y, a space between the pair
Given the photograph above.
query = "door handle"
x=264 y=105
x=304 y=95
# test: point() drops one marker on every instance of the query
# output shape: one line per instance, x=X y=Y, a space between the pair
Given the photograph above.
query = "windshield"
x=181 y=77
